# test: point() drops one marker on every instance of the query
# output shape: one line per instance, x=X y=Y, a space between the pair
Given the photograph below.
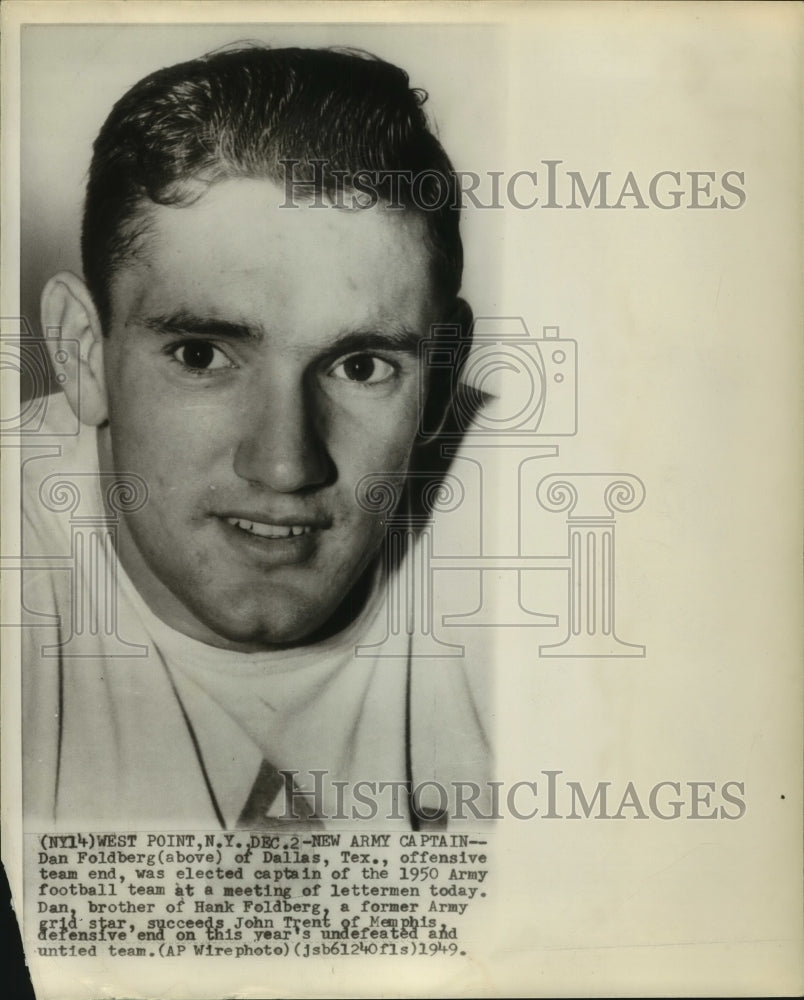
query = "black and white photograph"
x=402 y=466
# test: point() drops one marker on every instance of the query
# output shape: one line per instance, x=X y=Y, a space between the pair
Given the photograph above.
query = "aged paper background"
x=688 y=325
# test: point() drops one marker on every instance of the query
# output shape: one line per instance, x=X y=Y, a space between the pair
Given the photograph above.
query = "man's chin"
x=259 y=615
x=282 y=623
x=261 y=634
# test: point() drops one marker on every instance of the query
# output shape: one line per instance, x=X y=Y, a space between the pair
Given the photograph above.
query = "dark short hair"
x=245 y=112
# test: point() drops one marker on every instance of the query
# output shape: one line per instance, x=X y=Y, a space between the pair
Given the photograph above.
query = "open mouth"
x=278 y=531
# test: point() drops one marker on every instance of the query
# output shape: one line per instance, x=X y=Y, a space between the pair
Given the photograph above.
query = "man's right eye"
x=200 y=356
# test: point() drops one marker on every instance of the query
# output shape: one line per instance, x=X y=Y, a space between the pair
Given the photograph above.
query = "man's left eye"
x=200 y=356
x=365 y=368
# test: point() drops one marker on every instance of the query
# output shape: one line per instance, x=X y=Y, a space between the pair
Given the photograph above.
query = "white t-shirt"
x=128 y=723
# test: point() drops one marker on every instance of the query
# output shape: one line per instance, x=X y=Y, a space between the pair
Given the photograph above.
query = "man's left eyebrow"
x=401 y=339
x=185 y=324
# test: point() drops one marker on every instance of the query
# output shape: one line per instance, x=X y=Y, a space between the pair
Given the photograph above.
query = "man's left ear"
x=74 y=338
x=443 y=382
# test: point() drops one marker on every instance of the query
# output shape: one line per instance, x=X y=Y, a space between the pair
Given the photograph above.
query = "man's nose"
x=283 y=447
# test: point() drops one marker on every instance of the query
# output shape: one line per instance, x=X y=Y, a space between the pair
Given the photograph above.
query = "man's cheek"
x=170 y=436
x=389 y=452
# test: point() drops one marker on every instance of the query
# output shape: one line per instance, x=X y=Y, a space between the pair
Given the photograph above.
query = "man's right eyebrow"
x=187 y=324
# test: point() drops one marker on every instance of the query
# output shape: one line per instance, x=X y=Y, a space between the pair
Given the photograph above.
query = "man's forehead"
x=236 y=254
x=258 y=211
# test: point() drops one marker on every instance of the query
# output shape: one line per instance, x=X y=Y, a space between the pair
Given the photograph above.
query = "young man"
x=260 y=267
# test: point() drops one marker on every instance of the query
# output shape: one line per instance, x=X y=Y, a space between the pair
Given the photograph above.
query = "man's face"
x=261 y=361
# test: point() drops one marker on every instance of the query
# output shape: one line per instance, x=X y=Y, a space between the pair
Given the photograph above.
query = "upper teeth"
x=269 y=530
